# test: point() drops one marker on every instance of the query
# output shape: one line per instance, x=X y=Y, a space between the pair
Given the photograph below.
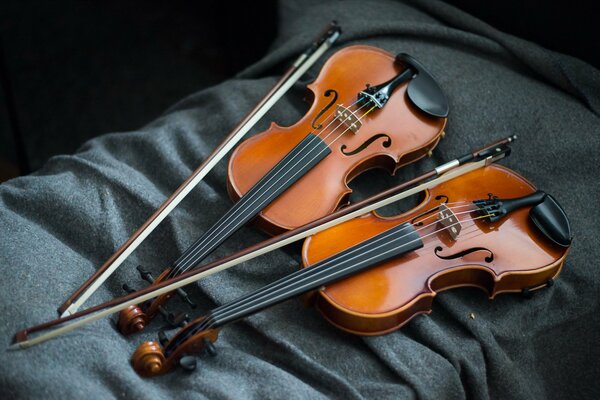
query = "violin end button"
x=443 y=134
x=527 y=293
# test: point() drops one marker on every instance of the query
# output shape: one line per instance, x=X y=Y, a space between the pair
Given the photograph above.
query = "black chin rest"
x=552 y=221
x=423 y=90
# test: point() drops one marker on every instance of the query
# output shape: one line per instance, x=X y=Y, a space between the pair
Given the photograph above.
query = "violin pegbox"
x=154 y=358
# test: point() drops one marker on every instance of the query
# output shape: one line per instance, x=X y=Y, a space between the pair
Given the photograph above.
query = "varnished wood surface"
x=324 y=188
x=385 y=297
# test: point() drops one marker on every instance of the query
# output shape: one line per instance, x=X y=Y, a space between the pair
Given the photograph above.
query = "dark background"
x=70 y=70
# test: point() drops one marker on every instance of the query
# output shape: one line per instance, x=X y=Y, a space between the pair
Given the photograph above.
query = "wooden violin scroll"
x=132 y=320
x=135 y=318
x=149 y=359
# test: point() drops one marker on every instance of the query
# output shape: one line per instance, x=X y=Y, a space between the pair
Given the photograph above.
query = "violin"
x=369 y=110
x=489 y=228
x=449 y=170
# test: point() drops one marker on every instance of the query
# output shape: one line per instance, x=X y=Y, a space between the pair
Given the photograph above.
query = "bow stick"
x=445 y=172
x=295 y=71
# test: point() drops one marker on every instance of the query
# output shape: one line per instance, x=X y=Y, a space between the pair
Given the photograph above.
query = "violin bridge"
x=448 y=220
x=348 y=118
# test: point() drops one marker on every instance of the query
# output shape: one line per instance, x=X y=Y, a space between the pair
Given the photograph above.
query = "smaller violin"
x=489 y=228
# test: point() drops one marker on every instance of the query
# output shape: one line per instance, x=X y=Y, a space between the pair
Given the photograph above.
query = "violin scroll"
x=132 y=320
x=135 y=318
x=149 y=359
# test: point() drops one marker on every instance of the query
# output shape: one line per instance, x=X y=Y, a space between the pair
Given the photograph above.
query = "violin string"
x=189 y=256
x=464 y=232
x=336 y=117
x=190 y=259
x=339 y=136
x=434 y=208
x=208 y=323
x=275 y=285
x=431 y=210
x=291 y=279
x=191 y=262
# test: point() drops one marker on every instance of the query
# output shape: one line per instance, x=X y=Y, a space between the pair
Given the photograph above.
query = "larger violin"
x=489 y=228
x=369 y=110
x=452 y=169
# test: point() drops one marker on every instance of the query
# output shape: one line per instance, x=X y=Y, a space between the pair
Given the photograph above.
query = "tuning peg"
x=182 y=319
x=128 y=288
x=163 y=312
x=145 y=275
x=209 y=347
x=162 y=338
x=179 y=320
x=185 y=297
x=171 y=319
x=188 y=363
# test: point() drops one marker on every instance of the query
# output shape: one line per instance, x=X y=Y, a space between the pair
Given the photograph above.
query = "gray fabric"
x=61 y=223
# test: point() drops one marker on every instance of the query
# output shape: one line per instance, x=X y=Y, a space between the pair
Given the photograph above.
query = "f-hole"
x=431 y=210
x=489 y=258
x=327 y=93
x=386 y=143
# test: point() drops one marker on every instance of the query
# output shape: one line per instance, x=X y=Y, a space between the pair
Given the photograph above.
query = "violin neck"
x=303 y=157
x=389 y=244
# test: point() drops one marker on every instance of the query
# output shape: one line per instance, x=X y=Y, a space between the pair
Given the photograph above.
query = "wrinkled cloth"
x=59 y=224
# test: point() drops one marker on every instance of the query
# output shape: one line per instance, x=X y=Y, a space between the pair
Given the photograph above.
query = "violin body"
x=508 y=255
x=390 y=137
